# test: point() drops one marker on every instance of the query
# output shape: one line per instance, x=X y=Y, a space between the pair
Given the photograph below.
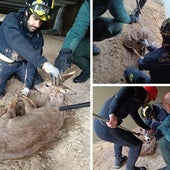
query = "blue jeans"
x=120 y=138
x=25 y=72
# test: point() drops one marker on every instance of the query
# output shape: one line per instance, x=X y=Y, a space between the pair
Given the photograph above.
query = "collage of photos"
x=131 y=95
x=84 y=85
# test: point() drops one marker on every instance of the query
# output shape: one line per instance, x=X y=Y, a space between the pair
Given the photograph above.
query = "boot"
x=119 y=162
x=82 y=77
x=96 y=50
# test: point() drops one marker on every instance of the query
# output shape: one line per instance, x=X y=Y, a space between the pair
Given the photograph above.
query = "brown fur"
x=23 y=135
x=132 y=39
x=148 y=148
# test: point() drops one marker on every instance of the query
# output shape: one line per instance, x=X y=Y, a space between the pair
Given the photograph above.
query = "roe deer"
x=22 y=135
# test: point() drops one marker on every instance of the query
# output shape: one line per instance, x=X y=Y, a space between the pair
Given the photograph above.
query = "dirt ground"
x=109 y=66
x=70 y=149
x=103 y=158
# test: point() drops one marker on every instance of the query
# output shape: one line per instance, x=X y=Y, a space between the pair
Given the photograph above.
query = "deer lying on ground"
x=133 y=40
x=22 y=135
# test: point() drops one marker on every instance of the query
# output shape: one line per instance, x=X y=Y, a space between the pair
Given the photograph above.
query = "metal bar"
x=74 y=106
x=100 y=118
x=105 y=120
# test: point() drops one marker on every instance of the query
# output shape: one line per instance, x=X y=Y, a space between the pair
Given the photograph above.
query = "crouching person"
x=76 y=45
x=21 y=45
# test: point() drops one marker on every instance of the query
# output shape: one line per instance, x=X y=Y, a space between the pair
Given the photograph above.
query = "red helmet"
x=152 y=91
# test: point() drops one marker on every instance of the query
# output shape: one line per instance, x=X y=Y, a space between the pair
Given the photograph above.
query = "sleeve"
x=119 y=98
x=118 y=11
x=139 y=121
x=165 y=128
x=151 y=48
x=18 y=42
x=79 y=28
x=148 y=60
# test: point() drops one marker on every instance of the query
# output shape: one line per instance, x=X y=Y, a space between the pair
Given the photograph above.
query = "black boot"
x=119 y=162
x=96 y=50
x=82 y=77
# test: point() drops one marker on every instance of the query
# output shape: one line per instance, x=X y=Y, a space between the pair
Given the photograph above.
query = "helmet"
x=40 y=8
x=165 y=29
x=152 y=91
x=147 y=111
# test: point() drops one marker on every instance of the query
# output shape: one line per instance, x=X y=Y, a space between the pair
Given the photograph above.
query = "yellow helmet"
x=165 y=27
x=41 y=8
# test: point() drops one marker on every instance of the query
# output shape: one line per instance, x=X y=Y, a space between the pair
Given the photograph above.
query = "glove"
x=49 y=68
x=63 y=61
x=144 y=43
x=133 y=19
x=24 y=91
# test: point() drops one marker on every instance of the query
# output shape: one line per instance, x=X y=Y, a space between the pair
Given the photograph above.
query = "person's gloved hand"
x=63 y=61
x=144 y=42
x=133 y=19
x=147 y=45
x=24 y=91
x=49 y=68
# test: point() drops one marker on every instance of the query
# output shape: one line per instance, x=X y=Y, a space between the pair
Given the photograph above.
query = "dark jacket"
x=158 y=64
x=16 y=40
x=126 y=102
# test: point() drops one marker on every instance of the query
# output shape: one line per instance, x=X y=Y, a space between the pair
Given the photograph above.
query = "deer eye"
x=47 y=85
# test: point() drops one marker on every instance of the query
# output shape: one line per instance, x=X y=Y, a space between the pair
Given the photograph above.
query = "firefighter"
x=21 y=45
x=157 y=61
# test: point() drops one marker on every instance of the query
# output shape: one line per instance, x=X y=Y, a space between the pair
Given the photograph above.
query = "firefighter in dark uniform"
x=21 y=45
x=157 y=62
x=126 y=102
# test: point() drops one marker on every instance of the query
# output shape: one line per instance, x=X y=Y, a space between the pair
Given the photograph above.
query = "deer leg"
x=32 y=103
